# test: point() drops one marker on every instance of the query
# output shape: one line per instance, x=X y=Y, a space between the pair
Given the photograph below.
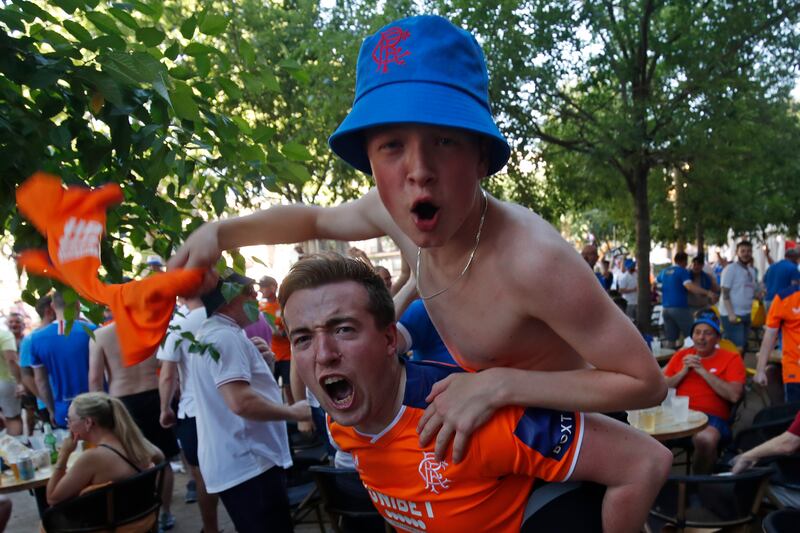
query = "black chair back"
x=776 y=412
x=108 y=507
x=345 y=497
x=760 y=432
x=710 y=501
x=783 y=521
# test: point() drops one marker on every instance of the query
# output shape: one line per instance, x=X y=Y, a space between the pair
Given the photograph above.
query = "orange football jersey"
x=488 y=490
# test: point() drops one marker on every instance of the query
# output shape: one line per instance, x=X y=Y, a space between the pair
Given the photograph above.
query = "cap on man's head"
x=154 y=260
x=419 y=70
x=214 y=299
x=630 y=264
x=709 y=318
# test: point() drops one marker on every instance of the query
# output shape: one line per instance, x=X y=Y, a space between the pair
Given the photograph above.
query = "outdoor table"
x=667 y=428
x=663 y=355
x=37 y=485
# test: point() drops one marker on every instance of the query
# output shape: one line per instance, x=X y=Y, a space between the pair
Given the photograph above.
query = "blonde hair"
x=111 y=414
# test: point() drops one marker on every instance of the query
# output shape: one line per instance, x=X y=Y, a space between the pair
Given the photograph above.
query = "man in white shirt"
x=174 y=356
x=628 y=287
x=243 y=447
x=739 y=287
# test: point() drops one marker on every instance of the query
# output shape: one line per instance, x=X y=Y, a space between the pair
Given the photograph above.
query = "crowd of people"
x=510 y=371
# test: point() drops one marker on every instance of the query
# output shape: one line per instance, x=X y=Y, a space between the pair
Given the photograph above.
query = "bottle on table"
x=50 y=443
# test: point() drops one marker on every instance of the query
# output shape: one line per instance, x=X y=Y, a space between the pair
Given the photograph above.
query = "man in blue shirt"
x=417 y=333
x=676 y=283
x=60 y=361
x=782 y=275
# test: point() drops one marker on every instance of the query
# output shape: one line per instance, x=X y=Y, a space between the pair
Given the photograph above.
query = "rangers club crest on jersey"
x=432 y=472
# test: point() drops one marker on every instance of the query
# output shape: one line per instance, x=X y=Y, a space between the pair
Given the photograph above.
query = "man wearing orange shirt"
x=340 y=320
x=280 y=342
x=783 y=316
x=713 y=379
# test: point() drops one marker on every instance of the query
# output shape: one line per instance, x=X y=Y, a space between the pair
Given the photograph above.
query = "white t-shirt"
x=741 y=281
x=627 y=280
x=232 y=449
x=176 y=349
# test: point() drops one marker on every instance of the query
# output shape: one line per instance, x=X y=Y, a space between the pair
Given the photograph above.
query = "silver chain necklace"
x=469 y=261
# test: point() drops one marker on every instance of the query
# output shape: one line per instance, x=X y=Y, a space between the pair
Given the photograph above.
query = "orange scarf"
x=73 y=220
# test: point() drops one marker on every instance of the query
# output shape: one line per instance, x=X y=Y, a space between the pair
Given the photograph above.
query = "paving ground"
x=25 y=518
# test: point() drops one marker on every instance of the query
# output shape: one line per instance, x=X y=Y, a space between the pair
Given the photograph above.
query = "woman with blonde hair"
x=120 y=450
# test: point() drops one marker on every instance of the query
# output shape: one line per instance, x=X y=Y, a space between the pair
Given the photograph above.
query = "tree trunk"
x=700 y=240
x=642 y=213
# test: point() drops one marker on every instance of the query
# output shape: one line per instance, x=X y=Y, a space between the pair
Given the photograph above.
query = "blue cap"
x=419 y=70
x=629 y=263
x=708 y=318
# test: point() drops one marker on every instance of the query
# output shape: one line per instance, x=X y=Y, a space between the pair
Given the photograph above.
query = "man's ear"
x=391 y=339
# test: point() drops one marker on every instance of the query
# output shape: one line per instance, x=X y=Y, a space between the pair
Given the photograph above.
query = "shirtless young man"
x=427 y=136
x=137 y=387
x=340 y=321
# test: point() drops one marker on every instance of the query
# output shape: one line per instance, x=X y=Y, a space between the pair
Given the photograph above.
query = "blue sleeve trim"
x=551 y=433
x=420 y=378
x=788 y=291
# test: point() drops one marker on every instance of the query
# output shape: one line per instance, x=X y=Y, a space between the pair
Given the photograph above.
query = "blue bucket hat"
x=420 y=70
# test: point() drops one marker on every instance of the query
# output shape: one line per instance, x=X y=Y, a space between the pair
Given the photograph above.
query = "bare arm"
x=697 y=289
x=12 y=360
x=767 y=344
x=167 y=385
x=624 y=374
x=784 y=444
x=358 y=220
x=730 y=391
x=404 y=297
x=26 y=374
x=43 y=386
x=240 y=398
x=726 y=301
x=97 y=361
x=402 y=279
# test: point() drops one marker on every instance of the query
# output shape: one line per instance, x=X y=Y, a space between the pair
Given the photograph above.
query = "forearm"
x=45 y=394
x=767 y=344
x=296 y=384
x=726 y=301
x=728 y=391
x=590 y=390
x=28 y=380
x=59 y=470
x=166 y=389
x=253 y=406
x=13 y=368
x=96 y=381
x=673 y=381
x=784 y=444
x=697 y=289
x=276 y=225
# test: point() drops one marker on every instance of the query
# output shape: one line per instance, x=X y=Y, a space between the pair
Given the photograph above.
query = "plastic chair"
x=304 y=497
x=347 y=502
x=709 y=501
x=129 y=502
x=783 y=521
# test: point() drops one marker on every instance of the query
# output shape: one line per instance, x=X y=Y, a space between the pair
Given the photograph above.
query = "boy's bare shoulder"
x=536 y=253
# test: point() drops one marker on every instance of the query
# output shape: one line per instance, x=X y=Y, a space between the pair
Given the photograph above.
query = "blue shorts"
x=791 y=392
x=722 y=426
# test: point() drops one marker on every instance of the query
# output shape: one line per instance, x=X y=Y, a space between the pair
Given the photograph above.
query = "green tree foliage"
x=617 y=95
x=195 y=108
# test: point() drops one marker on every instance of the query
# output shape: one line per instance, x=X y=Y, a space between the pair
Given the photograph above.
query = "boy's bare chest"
x=489 y=328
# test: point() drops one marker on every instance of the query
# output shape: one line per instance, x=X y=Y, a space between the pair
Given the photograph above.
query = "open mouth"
x=425 y=210
x=339 y=390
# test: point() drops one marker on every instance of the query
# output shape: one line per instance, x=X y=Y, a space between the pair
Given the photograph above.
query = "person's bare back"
x=104 y=359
